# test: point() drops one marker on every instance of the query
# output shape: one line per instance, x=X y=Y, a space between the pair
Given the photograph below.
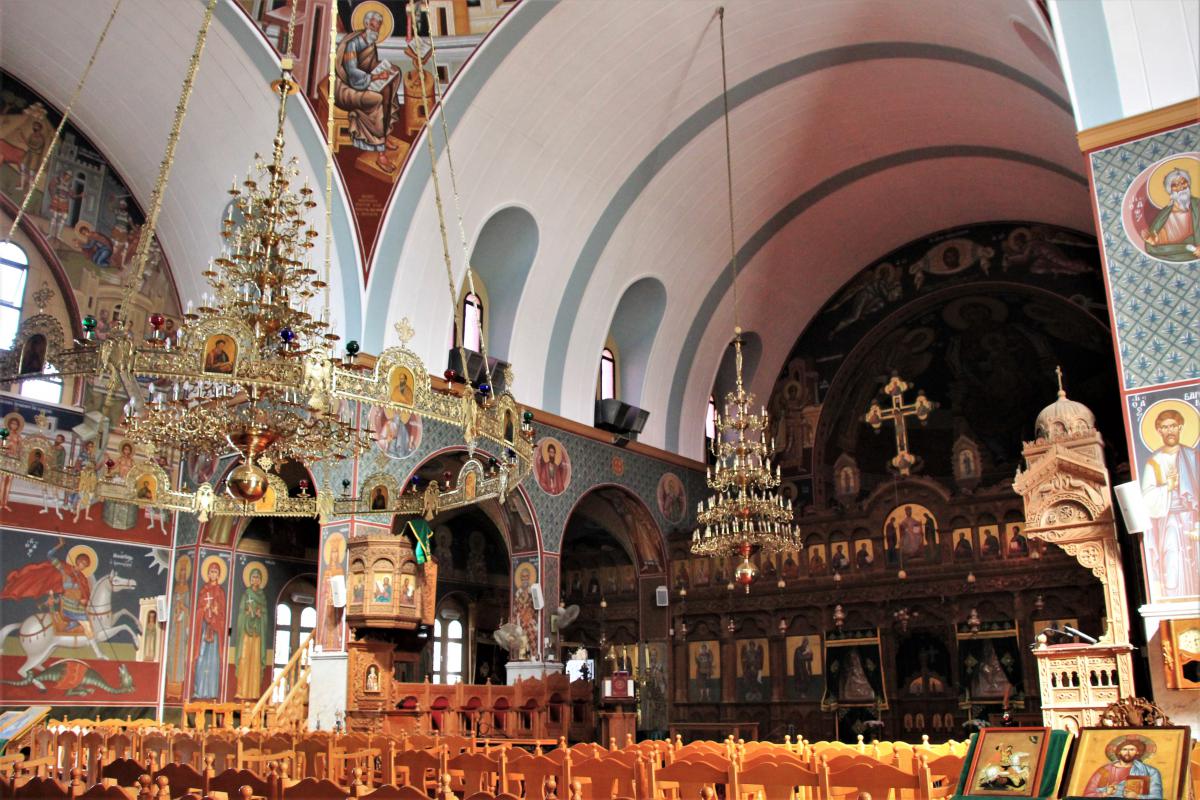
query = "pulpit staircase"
x=285 y=703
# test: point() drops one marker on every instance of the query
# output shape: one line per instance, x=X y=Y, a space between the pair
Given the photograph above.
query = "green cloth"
x=1056 y=752
x=423 y=533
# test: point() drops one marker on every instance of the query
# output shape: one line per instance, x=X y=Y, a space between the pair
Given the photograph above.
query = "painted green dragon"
x=75 y=678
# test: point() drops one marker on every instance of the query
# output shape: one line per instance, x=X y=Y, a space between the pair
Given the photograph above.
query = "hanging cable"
x=462 y=231
x=46 y=156
x=437 y=196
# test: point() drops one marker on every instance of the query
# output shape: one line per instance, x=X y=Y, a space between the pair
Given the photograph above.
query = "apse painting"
x=1161 y=209
x=87 y=214
x=1166 y=442
x=385 y=84
x=70 y=621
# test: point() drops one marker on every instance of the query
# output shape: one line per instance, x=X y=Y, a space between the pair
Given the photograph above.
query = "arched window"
x=295 y=619
x=449 y=646
x=14 y=268
x=710 y=419
x=47 y=389
x=608 y=374
x=472 y=315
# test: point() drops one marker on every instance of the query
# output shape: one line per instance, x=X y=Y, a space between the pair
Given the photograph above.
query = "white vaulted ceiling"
x=128 y=104
x=858 y=126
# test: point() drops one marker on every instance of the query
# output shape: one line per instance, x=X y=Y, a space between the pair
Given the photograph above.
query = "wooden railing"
x=292 y=683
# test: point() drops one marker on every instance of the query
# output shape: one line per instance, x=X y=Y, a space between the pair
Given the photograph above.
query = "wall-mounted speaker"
x=661 y=597
x=535 y=594
x=1133 y=507
x=337 y=591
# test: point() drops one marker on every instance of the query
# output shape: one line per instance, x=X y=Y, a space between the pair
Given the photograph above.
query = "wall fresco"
x=71 y=619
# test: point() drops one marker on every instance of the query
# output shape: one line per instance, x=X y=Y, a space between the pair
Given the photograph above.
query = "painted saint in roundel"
x=1161 y=210
x=552 y=466
x=672 y=497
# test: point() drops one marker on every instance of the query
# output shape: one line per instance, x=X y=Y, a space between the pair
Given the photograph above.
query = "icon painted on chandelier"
x=220 y=352
x=146 y=488
x=1161 y=209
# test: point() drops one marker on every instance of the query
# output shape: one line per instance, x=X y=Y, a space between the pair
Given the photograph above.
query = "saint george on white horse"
x=40 y=637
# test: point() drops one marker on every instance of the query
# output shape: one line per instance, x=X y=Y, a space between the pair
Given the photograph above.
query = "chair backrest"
x=878 y=780
x=232 y=780
x=778 y=780
x=41 y=789
x=183 y=777
x=413 y=765
x=313 y=789
x=693 y=776
x=609 y=777
x=125 y=771
x=534 y=772
x=480 y=772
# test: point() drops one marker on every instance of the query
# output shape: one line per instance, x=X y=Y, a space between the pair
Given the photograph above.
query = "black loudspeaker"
x=474 y=371
x=620 y=418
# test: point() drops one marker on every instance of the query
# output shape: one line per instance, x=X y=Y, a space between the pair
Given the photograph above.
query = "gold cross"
x=920 y=408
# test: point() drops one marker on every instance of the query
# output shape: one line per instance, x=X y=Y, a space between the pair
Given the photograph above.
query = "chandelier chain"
x=437 y=188
x=164 y=170
x=729 y=182
x=54 y=140
x=329 y=130
x=462 y=230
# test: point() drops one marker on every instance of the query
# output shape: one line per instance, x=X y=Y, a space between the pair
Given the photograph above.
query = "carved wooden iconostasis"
x=911 y=609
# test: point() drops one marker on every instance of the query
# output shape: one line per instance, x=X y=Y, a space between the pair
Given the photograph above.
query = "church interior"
x=351 y=446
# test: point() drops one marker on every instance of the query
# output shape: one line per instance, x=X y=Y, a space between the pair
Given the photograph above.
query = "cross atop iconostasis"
x=896 y=414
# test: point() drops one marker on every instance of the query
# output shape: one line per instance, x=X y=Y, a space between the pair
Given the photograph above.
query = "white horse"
x=39 y=638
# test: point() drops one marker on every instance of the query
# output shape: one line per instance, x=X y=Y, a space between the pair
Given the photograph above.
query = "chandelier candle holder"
x=251 y=372
x=744 y=514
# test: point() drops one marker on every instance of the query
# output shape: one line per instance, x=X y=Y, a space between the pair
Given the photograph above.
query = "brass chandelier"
x=744 y=514
x=252 y=372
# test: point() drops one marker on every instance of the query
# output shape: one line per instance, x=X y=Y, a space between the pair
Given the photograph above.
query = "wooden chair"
x=413 y=768
x=684 y=778
x=231 y=782
x=476 y=772
x=185 y=778
x=599 y=778
x=944 y=772
x=222 y=746
x=37 y=788
x=537 y=774
x=881 y=781
x=313 y=789
x=777 y=780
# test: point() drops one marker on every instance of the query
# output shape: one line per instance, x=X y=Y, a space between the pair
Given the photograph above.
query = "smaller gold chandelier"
x=744 y=514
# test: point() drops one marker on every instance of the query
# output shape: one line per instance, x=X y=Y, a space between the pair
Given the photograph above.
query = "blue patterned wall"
x=1156 y=303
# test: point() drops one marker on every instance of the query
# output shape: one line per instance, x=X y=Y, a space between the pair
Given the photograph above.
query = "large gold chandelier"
x=252 y=372
x=744 y=514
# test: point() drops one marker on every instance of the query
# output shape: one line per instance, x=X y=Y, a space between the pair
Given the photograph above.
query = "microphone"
x=1080 y=634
